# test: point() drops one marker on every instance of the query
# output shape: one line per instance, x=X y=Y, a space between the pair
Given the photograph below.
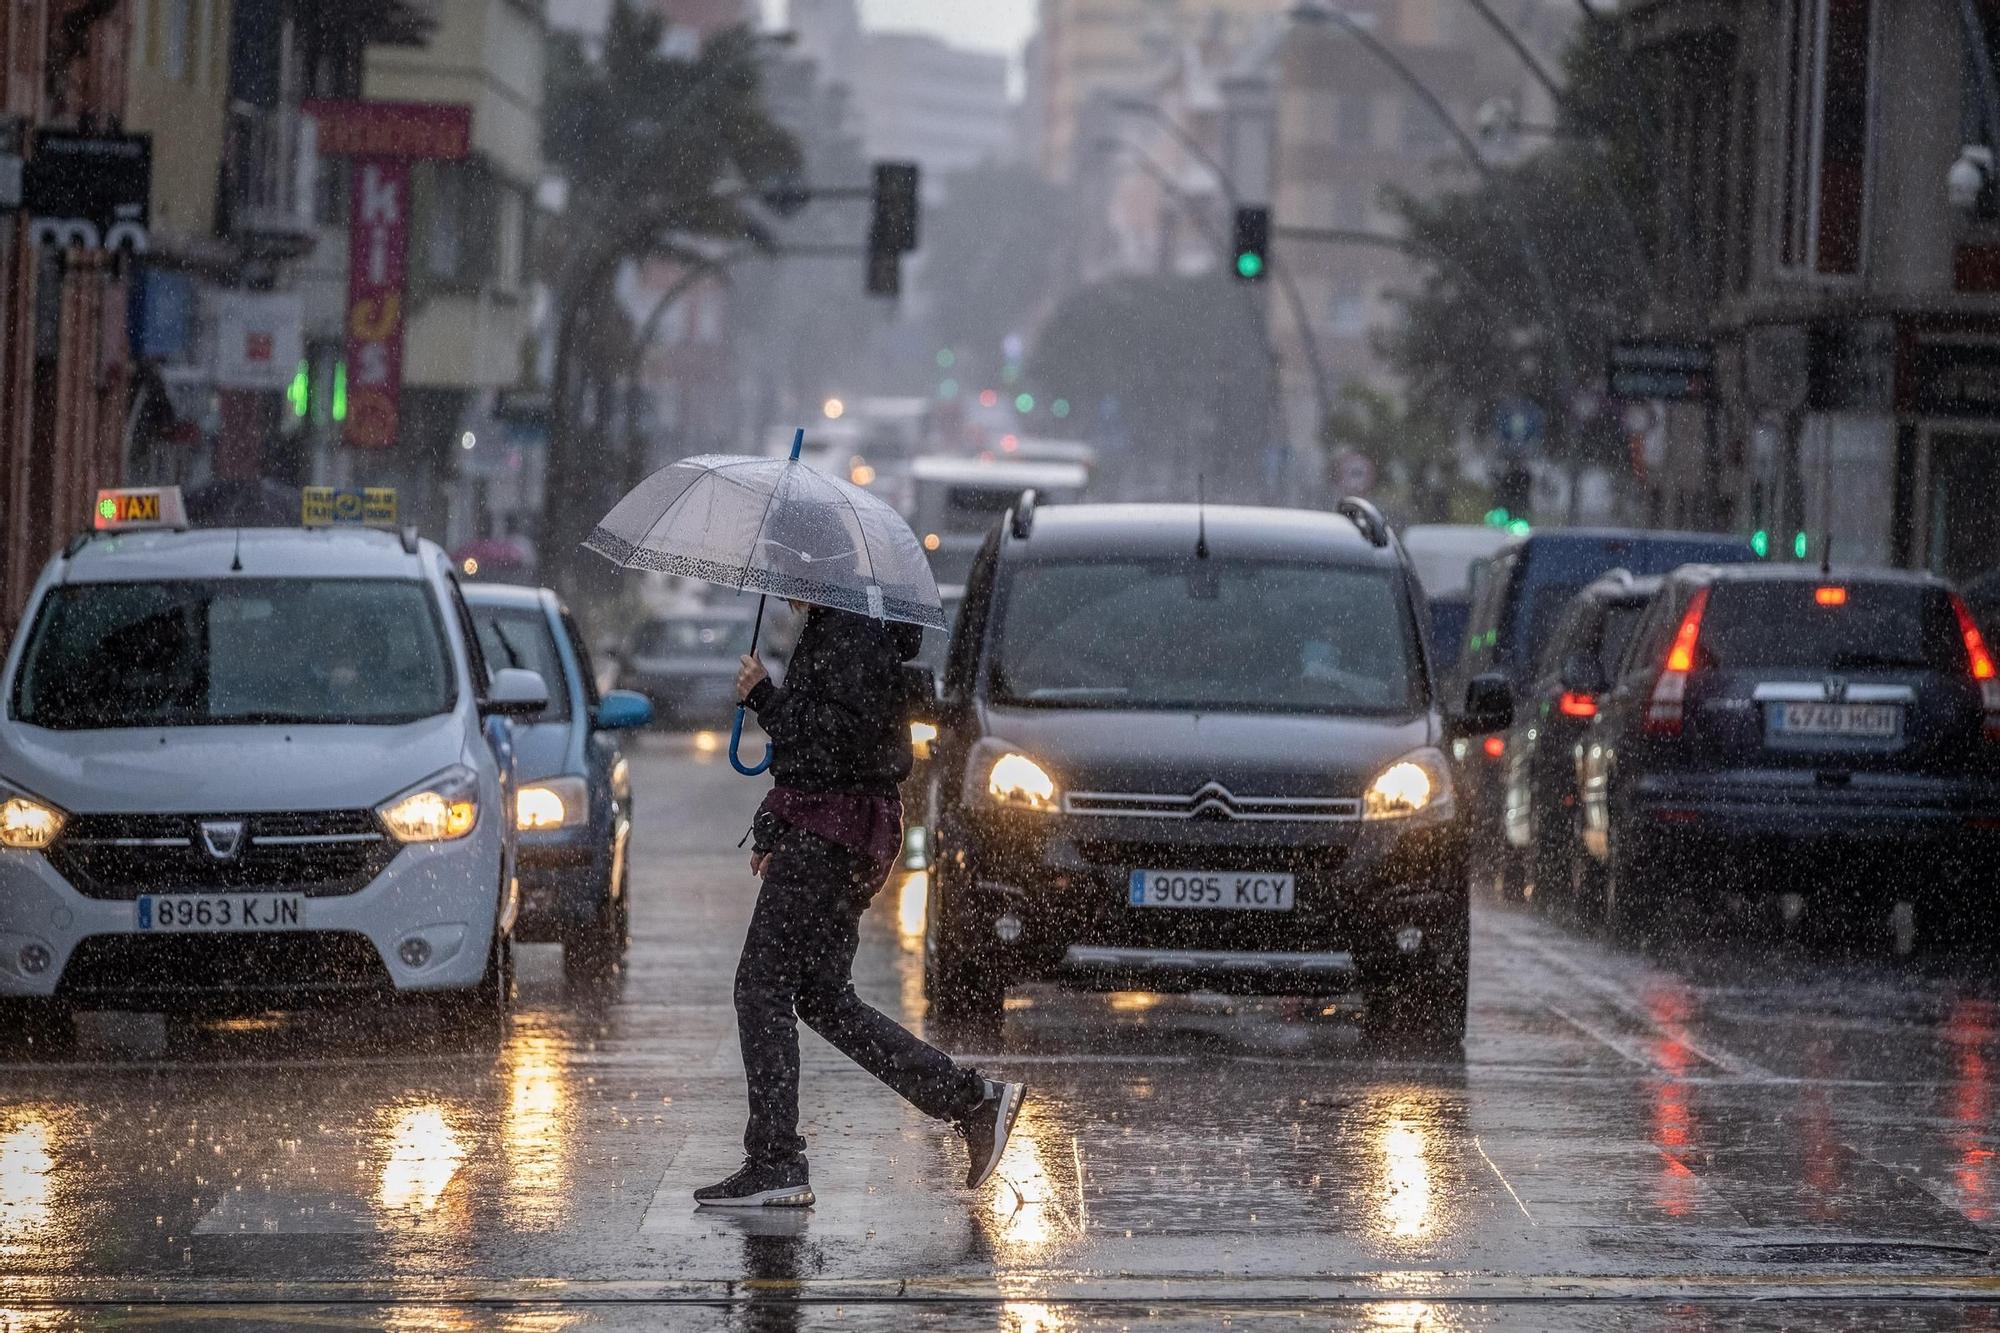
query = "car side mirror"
x=1489 y=705
x=515 y=693
x=622 y=710
x=1582 y=673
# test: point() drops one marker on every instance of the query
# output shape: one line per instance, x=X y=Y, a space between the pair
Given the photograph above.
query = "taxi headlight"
x=551 y=803
x=27 y=824
x=1418 y=783
x=440 y=810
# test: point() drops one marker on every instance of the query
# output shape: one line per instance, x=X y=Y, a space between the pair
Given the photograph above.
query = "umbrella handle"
x=736 y=739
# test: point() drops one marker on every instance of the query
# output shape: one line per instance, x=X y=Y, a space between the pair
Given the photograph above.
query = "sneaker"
x=760 y=1187
x=987 y=1127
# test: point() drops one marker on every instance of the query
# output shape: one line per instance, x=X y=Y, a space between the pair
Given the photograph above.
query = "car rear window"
x=692 y=638
x=183 y=653
x=520 y=637
x=1620 y=619
x=1205 y=635
x=1833 y=626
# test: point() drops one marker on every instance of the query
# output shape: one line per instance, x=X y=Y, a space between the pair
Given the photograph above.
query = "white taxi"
x=244 y=769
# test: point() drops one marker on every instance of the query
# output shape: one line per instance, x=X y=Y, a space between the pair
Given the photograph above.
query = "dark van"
x=1518 y=597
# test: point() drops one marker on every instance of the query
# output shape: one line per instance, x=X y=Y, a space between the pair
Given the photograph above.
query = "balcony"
x=268 y=186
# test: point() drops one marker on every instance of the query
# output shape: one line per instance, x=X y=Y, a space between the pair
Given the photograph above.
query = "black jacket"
x=841 y=722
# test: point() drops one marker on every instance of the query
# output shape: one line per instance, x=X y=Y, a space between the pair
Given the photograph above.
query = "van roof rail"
x=1022 y=519
x=1366 y=517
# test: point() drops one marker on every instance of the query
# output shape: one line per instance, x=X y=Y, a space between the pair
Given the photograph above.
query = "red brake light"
x=1975 y=642
x=1663 y=710
x=1681 y=656
x=1574 y=704
x=1830 y=596
x=1495 y=746
x=1981 y=662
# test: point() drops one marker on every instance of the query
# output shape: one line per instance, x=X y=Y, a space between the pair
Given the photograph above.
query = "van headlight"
x=551 y=803
x=999 y=774
x=1417 y=784
x=27 y=824
x=442 y=809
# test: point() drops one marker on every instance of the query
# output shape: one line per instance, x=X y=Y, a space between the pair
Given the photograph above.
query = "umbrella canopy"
x=775 y=526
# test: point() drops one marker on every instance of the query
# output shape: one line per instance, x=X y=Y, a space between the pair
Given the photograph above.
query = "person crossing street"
x=823 y=843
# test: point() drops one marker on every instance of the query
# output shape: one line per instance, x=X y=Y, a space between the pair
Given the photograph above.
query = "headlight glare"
x=27 y=824
x=922 y=736
x=441 y=810
x=1018 y=780
x=551 y=803
x=1419 y=782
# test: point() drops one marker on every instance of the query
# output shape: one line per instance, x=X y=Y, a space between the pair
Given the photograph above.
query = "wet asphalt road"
x=1749 y=1139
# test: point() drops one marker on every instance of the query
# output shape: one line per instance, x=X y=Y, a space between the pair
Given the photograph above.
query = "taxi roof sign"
x=137 y=508
x=361 y=507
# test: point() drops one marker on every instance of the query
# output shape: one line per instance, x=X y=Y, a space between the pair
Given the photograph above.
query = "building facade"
x=1852 y=297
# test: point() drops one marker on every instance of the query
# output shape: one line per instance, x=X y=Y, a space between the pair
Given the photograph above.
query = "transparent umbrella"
x=776 y=526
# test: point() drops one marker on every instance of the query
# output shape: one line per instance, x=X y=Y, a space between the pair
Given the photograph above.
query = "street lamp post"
x=1545 y=293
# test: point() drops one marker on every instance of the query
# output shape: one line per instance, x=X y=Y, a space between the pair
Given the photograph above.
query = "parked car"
x=1544 y=747
x=573 y=804
x=1784 y=730
x=1517 y=597
x=1187 y=748
x=685 y=662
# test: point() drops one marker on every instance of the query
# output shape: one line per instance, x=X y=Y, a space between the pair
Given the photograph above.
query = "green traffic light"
x=1760 y=542
x=1249 y=264
x=1799 y=546
x=1497 y=518
x=1024 y=403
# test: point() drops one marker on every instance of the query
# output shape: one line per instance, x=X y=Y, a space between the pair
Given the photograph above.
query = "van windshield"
x=1212 y=635
x=182 y=653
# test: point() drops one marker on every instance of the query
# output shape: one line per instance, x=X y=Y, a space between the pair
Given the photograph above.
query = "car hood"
x=176 y=770
x=1252 y=754
x=541 y=749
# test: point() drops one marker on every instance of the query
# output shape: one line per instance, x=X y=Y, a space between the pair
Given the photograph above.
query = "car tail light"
x=1981 y=662
x=1664 y=709
x=1574 y=703
x=1830 y=596
x=1495 y=746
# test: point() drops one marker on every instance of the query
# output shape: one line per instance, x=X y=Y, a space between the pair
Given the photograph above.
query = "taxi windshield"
x=184 y=653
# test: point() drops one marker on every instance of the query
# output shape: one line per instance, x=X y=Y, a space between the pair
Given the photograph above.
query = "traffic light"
x=1253 y=239
x=892 y=232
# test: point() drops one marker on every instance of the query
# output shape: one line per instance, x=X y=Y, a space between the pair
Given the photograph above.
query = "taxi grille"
x=321 y=853
x=137 y=966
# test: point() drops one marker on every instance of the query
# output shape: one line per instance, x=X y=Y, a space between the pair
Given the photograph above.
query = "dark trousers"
x=797 y=964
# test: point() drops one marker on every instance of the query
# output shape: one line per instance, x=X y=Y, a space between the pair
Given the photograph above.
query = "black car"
x=685 y=663
x=1517 y=597
x=1543 y=747
x=1785 y=730
x=1186 y=749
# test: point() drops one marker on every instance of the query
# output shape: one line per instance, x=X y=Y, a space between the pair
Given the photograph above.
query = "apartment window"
x=1354 y=119
x=1826 y=87
x=1422 y=130
x=460 y=242
x=1350 y=206
x=175 y=19
x=1349 y=314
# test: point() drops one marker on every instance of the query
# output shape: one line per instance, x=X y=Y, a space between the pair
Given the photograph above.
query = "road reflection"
x=1968 y=1031
x=424 y=1153
x=1676 y=1188
x=536 y=1131
x=1036 y=1196
x=911 y=905
x=1403 y=1143
x=26 y=1165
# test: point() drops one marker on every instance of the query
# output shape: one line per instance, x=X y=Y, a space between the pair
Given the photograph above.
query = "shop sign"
x=89 y=191
x=1660 y=368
